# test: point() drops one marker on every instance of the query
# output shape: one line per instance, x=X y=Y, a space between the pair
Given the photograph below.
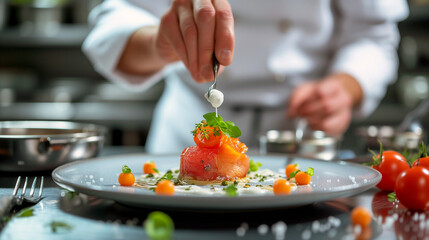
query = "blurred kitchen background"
x=45 y=76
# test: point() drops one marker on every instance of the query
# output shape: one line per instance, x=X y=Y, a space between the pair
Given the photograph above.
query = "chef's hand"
x=190 y=31
x=327 y=104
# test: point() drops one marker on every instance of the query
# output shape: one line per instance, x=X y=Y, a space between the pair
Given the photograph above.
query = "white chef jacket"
x=279 y=44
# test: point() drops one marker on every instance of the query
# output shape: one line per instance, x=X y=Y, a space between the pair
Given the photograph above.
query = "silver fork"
x=18 y=200
x=215 y=71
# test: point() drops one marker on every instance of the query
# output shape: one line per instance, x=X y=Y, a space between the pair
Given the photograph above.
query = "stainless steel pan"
x=44 y=145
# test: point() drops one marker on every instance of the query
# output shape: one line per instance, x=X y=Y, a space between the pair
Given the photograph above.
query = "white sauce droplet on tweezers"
x=216 y=98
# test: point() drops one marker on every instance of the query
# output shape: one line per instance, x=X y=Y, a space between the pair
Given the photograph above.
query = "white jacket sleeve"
x=114 y=21
x=366 y=46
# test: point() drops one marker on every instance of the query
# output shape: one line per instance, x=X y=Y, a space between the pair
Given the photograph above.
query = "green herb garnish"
x=216 y=122
x=159 y=226
x=253 y=167
x=231 y=190
x=126 y=169
x=155 y=170
x=168 y=175
x=310 y=171
x=391 y=197
x=56 y=225
x=26 y=212
x=292 y=174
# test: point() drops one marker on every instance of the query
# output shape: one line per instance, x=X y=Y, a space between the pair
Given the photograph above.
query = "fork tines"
x=24 y=188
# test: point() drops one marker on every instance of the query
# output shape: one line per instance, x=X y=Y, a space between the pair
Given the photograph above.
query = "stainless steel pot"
x=314 y=144
x=44 y=145
x=389 y=137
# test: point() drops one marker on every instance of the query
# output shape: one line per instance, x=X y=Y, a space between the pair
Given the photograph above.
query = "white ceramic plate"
x=98 y=177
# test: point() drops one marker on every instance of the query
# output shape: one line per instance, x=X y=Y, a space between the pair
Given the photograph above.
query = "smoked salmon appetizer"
x=218 y=154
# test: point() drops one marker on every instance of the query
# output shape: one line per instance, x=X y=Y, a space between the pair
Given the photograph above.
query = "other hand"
x=327 y=104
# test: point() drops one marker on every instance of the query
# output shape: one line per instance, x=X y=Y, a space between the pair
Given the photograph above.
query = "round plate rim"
x=276 y=201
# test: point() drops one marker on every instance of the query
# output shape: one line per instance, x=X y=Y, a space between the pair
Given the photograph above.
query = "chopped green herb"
x=26 y=212
x=159 y=226
x=155 y=170
x=176 y=171
x=263 y=178
x=231 y=190
x=168 y=175
x=253 y=167
x=188 y=188
x=246 y=186
x=224 y=183
x=126 y=169
x=150 y=175
x=391 y=197
x=57 y=225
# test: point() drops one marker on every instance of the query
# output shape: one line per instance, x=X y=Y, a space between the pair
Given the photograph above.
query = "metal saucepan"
x=314 y=144
x=44 y=145
x=389 y=137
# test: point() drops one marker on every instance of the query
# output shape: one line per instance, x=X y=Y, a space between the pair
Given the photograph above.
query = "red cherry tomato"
x=209 y=138
x=423 y=162
x=392 y=164
x=412 y=188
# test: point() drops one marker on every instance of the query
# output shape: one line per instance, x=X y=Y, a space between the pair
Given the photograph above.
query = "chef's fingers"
x=170 y=30
x=190 y=36
x=204 y=15
x=224 y=32
x=334 y=124
x=300 y=95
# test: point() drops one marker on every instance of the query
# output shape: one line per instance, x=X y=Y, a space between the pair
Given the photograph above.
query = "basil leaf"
x=215 y=120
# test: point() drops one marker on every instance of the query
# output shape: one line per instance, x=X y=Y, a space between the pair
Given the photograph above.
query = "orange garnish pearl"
x=148 y=167
x=302 y=178
x=282 y=187
x=164 y=187
x=126 y=179
x=360 y=216
x=291 y=168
